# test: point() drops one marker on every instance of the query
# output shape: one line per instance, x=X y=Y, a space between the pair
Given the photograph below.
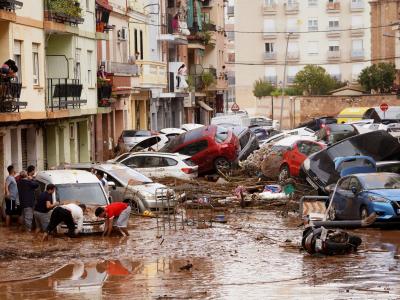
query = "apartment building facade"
x=334 y=34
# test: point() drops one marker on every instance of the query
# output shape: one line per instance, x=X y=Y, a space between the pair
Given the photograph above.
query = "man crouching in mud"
x=118 y=211
x=69 y=214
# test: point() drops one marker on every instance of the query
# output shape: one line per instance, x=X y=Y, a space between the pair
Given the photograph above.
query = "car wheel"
x=363 y=213
x=222 y=164
x=284 y=173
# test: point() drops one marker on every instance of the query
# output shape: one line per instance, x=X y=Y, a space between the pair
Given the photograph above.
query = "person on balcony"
x=101 y=73
x=175 y=24
x=8 y=71
x=180 y=78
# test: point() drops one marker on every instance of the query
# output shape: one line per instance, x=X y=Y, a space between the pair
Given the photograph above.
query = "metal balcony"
x=291 y=8
x=333 y=7
x=9 y=97
x=356 y=6
x=54 y=15
x=63 y=93
x=269 y=56
x=270 y=8
x=104 y=91
x=10 y=5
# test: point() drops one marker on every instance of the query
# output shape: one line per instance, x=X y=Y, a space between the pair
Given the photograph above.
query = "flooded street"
x=254 y=256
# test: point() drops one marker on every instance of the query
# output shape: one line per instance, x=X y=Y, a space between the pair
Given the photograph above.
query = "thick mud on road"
x=254 y=256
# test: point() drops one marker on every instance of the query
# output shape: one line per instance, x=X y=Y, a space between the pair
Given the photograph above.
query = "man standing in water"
x=26 y=191
x=118 y=212
x=11 y=196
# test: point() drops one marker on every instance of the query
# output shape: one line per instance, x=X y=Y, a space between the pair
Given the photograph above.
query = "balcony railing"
x=9 y=97
x=10 y=5
x=231 y=11
x=63 y=93
x=63 y=11
x=270 y=7
x=153 y=73
x=333 y=6
x=104 y=91
x=103 y=10
x=269 y=55
x=271 y=79
x=357 y=5
x=333 y=54
x=291 y=7
x=122 y=68
x=357 y=53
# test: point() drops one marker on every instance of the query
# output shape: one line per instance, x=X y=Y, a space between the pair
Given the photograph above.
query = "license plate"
x=312 y=183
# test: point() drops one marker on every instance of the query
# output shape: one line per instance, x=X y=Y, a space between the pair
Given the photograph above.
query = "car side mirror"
x=354 y=190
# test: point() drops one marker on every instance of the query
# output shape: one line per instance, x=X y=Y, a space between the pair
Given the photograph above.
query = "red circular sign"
x=235 y=107
x=384 y=107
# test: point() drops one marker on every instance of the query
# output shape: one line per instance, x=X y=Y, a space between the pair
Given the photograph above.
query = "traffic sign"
x=384 y=107
x=235 y=107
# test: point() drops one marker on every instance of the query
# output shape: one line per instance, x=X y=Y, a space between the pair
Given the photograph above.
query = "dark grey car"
x=248 y=141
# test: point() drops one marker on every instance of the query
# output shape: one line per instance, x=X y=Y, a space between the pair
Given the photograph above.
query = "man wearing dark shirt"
x=43 y=208
x=26 y=190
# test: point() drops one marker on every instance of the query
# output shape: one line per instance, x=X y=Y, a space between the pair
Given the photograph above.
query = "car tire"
x=363 y=213
x=284 y=173
x=222 y=164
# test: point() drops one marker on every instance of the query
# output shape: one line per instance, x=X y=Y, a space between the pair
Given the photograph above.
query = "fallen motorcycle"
x=329 y=241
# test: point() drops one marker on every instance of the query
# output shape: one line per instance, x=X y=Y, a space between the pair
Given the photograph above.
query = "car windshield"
x=260 y=122
x=83 y=193
x=135 y=133
x=122 y=157
x=381 y=181
x=221 y=134
x=127 y=175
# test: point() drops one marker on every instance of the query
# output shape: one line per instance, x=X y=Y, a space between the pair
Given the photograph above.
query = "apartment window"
x=18 y=58
x=333 y=46
x=269 y=47
x=356 y=21
x=136 y=41
x=313 y=47
x=333 y=23
x=89 y=67
x=357 y=44
x=312 y=3
x=35 y=62
x=269 y=2
x=313 y=24
x=292 y=25
x=141 y=44
x=292 y=71
x=269 y=25
x=333 y=71
x=77 y=69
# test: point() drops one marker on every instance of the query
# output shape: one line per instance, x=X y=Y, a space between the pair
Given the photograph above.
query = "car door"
x=353 y=203
x=117 y=191
x=170 y=165
x=154 y=166
x=297 y=156
x=340 y=196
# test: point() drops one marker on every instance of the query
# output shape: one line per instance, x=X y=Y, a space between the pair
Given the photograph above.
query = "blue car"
x=356 y=196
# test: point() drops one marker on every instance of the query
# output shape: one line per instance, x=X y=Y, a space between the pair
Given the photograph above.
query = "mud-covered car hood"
x=379 y=145
x=148 y=188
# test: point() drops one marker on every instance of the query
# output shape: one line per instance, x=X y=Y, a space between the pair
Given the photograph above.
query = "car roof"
x=66 y=176
x=166 y=154
x=290 y=140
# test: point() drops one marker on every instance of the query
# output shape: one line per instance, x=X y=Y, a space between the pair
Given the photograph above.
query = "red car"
x=296 y=153
x=210 y=147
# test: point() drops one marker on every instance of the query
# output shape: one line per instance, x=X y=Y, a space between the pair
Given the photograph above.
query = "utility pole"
x=284 y=79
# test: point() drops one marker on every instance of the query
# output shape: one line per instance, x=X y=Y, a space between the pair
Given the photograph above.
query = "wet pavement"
x=254 y=256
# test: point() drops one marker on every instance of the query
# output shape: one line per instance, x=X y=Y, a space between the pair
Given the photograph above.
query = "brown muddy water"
x=250 y=257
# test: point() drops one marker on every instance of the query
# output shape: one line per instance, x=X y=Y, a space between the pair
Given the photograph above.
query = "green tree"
x=378 y=77
x=314 y=80
x=262 y=88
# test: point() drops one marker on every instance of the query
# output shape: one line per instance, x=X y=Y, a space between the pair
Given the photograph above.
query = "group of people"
x=46 y=213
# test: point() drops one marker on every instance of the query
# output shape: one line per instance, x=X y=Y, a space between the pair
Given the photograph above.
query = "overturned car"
x=319 y=168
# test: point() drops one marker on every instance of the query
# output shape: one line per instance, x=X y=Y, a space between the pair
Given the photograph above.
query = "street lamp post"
x=284 y=80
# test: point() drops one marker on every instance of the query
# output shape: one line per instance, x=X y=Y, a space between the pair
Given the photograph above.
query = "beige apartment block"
x=334 y=34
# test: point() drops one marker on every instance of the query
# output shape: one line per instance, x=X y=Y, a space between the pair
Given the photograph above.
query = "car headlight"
x=306 y=164
x=378 y=199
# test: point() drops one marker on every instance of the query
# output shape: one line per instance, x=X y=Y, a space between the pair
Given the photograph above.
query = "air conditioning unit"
x=122 y=34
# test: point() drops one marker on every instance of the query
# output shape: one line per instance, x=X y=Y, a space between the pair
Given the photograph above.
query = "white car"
x=126 y=184
x=152 y=143
x=76 y=186
x=392 y=128
x=191 y=126
x=159 y=165
x=131 y=137
x=300 y=132
x=170 y=133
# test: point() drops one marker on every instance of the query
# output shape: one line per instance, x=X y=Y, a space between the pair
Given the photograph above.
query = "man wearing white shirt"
x=70 y=214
